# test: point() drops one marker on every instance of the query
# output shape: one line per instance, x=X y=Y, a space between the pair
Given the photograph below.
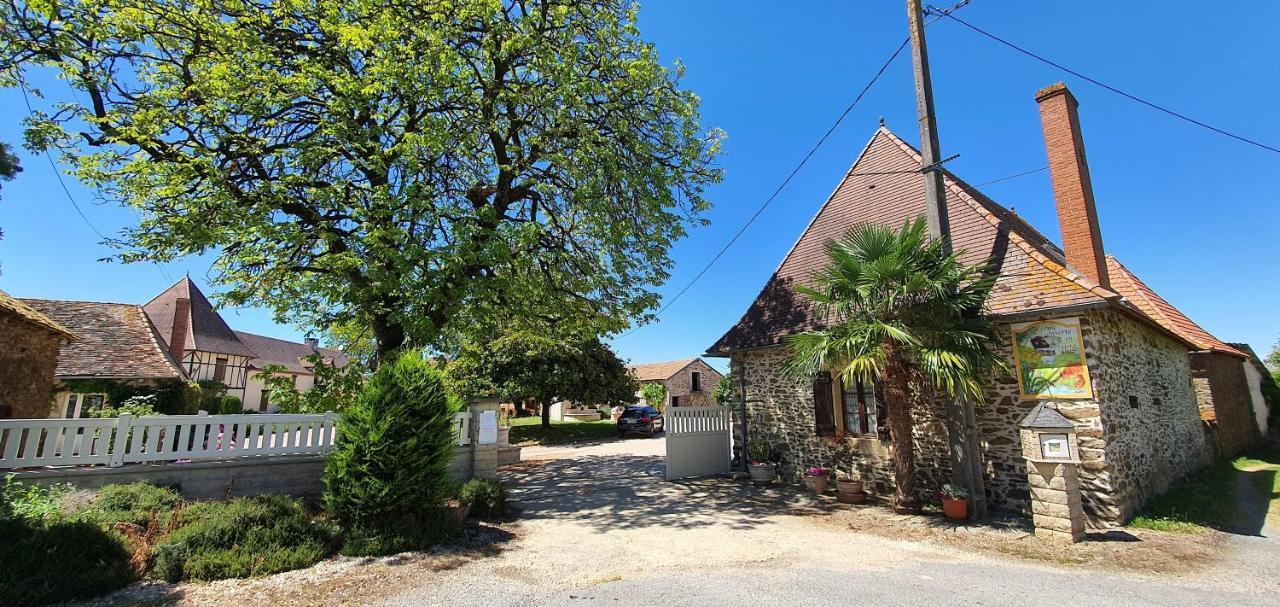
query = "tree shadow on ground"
x=606 y=492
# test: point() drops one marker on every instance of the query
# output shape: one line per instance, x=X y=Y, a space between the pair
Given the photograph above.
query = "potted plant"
x=761 y=456
x=849 y=491
x=504 y=427
x=815 y=477
x=955 y=502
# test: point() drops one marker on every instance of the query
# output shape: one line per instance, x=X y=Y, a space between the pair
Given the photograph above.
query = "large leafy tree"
x=899 y=309
x=415 y=166
x=549 y=369
x=9 y=166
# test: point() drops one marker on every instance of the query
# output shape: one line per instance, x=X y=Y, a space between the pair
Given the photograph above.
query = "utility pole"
x=935 y=201
x=962 y=433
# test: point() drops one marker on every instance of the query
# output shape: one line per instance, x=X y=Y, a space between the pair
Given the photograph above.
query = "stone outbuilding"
x=1152 y=395
x=28 y=359
x=689 y=381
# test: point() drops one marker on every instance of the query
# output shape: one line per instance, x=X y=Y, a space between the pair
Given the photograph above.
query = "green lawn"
x=529 y=431
x=1237 y=496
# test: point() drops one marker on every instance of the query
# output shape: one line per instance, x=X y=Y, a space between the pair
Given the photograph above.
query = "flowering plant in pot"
x=815 y=477
x=955 y=502
x=760 y=455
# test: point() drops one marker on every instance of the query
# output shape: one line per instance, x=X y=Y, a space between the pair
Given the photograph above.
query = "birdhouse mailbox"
x=1048 y=436
x=1052 y=454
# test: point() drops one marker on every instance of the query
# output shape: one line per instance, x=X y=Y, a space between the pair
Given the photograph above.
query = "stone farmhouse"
x=160 y=347
x=689 y=381
x=1152 y=395
x=28 y=359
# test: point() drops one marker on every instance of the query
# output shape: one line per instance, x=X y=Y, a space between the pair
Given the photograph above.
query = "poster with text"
x=1050 y=359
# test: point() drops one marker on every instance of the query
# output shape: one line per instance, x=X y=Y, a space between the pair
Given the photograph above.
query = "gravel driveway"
x=600 y=526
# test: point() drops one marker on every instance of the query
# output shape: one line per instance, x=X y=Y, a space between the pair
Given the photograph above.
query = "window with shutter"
x=823 y=405
x=864 y=410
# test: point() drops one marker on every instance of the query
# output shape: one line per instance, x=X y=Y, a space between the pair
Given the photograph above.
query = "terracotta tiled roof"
x=33 y=316
x=208 y=332
x=660 y=371
x=1033 y=272
x=289 y=354
x=115 y=341
x=1161 y=311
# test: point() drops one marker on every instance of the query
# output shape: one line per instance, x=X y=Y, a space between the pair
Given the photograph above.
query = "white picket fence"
x=113 y=442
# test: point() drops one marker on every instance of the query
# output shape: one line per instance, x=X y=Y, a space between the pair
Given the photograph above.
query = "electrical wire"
x=778 y=190
x=1131 y=97
x=1014 y=176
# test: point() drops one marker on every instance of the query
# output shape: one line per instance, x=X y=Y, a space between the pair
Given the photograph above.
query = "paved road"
x=601 y=527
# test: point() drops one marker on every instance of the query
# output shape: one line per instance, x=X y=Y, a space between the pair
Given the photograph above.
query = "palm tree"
x=898 y=309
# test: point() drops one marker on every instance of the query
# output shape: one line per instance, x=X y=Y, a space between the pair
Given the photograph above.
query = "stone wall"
x=28 y=361
x=1222 y=393
x=1128 y=453
x=681 y=385
x=781 y=410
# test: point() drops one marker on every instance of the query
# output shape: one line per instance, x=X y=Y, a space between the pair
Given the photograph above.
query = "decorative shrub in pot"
x=815 y=477
x=760 y=455
x=955 y=502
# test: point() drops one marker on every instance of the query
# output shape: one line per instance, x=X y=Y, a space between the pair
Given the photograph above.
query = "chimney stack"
x=1072 y=188
x=181 y=326
x=313 y=342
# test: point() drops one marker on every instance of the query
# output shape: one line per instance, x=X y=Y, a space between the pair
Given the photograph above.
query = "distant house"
x=1152 y=395
x=689 y=381
x=162 y=345
x=28 y=358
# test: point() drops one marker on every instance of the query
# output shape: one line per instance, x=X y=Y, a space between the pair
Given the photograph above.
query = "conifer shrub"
x=134 y=503
x=243 y=537
x=386 y=481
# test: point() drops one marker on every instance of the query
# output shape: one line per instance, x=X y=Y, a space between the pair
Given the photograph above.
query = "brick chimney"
x=181 y=326
x=313 y=342
x=1072 y=189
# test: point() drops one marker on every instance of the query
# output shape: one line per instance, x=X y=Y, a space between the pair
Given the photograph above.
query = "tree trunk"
x=389 y=336
x=897 y=393
x=546 y=414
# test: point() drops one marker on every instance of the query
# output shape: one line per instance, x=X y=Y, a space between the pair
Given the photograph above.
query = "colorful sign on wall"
x=1050 y=359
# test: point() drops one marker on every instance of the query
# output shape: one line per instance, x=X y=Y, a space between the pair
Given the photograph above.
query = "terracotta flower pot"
x=762 y=473
x=852 y=498
x=848 y=486
x=956 y=510
x=817 y=484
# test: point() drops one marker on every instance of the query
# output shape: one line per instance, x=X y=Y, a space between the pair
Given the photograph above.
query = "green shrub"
x=387 y=477
x=240 y=538
x=46 y=558
x=135 y=503
x=488 y=498
x=230 y=405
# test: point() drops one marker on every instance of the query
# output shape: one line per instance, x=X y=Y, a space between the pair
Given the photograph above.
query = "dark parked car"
x=640 y=419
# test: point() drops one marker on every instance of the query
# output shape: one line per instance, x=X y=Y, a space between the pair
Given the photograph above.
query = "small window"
x=1133 y=402
x=1155 y=402
x=863 y=408
x=220 y=369
x=675 y=401
x=80 y=405
x=697 y=381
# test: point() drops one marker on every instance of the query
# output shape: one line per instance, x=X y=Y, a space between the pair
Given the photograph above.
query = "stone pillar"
x=484 y=446
x=1056 y=510
x=1052 y=453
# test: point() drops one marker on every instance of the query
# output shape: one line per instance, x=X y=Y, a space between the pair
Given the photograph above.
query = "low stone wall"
x=1222 y=393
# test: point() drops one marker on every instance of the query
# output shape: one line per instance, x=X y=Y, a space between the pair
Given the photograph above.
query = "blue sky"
x=1193 y=213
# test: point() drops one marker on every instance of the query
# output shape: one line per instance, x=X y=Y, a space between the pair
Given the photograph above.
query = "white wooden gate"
x=698 y=441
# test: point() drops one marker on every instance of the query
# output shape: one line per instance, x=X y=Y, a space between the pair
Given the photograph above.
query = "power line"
x=57 y=173
x=1154 y=106
x=1014 y=176
x=784 y=183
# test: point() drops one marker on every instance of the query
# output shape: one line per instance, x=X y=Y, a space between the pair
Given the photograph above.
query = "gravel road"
x=600 y=526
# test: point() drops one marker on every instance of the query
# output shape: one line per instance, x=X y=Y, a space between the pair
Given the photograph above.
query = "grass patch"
x=1237 y=496
x=529 y=431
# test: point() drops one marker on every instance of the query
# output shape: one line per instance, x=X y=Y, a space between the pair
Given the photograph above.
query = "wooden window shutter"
x=824 y=411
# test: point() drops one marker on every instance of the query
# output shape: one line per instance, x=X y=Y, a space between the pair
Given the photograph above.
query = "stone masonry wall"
x=780 y=409
x=1128 y=453
x=28 y=360
x=681 y=385
x=1222 y=393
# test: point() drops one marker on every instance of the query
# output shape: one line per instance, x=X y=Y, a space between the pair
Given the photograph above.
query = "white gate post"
x=123 y=425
